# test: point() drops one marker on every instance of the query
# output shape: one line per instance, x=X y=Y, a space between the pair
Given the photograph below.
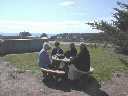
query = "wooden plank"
x=53 y=71
x=89 y=72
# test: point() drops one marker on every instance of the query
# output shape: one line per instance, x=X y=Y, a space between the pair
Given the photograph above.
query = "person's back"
x=82 y=60
x=73 y=52
x=79 y=64
x=57 y=49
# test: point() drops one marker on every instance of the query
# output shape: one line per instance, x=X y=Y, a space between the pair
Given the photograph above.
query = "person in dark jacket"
x=57 y=49
x=72 y=52
x=79 y=64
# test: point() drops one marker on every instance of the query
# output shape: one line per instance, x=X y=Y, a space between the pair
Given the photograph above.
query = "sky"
x=53 y=16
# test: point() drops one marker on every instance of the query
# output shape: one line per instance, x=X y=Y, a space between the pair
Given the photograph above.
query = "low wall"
x=20 y=45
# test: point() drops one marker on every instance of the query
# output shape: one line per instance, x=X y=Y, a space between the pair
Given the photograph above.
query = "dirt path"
x=118 y=86
x=15 y=83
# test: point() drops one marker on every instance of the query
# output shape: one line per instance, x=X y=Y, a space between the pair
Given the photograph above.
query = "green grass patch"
x=26 y=61
x=104 y=61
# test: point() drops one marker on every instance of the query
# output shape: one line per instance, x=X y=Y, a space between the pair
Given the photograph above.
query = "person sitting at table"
x=44 y=59
x=79 y=64
x=72 y=52
x=57 y=50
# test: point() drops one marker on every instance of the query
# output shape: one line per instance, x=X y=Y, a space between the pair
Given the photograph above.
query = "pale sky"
x=53 y=16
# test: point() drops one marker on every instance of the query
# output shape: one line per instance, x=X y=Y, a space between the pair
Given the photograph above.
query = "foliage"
x=77 y=37
x=116 y=32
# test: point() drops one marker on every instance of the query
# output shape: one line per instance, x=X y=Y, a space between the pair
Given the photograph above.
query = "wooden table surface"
x=57 y=59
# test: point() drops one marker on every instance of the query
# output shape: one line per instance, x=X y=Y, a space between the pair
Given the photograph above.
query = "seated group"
x=79 y=61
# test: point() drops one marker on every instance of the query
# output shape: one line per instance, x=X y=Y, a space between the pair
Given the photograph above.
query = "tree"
x=24 y=34
x=116 y=32
x=43 y=35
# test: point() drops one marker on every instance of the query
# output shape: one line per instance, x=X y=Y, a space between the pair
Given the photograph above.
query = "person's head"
x=83 y=47
x=45 y=39
x=57 y=44
x=46 y=46
x=72 y=45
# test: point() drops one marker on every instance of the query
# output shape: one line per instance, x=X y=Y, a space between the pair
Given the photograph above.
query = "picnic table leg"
x=47 y=77
x=44 y=74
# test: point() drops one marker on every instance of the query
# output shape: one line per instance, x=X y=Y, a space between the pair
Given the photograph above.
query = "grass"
x=104 y=61
x=26 y=61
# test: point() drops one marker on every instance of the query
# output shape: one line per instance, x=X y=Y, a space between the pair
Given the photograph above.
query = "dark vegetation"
x=77 y=37
x=116 y=31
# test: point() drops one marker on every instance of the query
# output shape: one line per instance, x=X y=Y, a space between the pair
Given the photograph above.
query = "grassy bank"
x=26 y=61
x=104 y=61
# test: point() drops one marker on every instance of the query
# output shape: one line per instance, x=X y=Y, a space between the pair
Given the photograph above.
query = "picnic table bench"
x=49 y=74
x=52 y=72
x=60 y=72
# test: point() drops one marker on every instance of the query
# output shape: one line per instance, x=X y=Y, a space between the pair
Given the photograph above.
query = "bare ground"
x=16 y=83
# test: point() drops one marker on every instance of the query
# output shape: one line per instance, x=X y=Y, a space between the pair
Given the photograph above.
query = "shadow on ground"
x=89 y=86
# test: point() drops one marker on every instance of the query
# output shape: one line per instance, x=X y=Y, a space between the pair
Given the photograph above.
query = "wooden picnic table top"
x=58 y=59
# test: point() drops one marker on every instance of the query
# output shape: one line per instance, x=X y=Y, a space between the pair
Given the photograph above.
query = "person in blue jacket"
x=44 y=59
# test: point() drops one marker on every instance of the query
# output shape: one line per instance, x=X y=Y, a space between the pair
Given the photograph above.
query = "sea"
x=36 y=34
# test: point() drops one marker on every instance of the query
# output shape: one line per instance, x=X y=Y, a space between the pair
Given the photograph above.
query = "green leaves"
x=117 y=30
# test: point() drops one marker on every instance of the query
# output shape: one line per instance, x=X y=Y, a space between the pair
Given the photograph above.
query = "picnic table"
x=61 y=63
x=61 y=67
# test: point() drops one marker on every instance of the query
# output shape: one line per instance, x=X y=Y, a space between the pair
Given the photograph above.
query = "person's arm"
x=75 y=60
x=61 y=51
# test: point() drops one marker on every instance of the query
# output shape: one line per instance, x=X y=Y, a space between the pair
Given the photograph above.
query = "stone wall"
x=20 y=45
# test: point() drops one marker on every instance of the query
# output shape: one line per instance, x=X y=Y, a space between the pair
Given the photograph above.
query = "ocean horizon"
x=16 y=34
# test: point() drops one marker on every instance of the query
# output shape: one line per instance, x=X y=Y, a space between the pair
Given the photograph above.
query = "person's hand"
x=71 y=58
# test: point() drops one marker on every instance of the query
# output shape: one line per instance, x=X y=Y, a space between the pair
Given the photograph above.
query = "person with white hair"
x=44 y=59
